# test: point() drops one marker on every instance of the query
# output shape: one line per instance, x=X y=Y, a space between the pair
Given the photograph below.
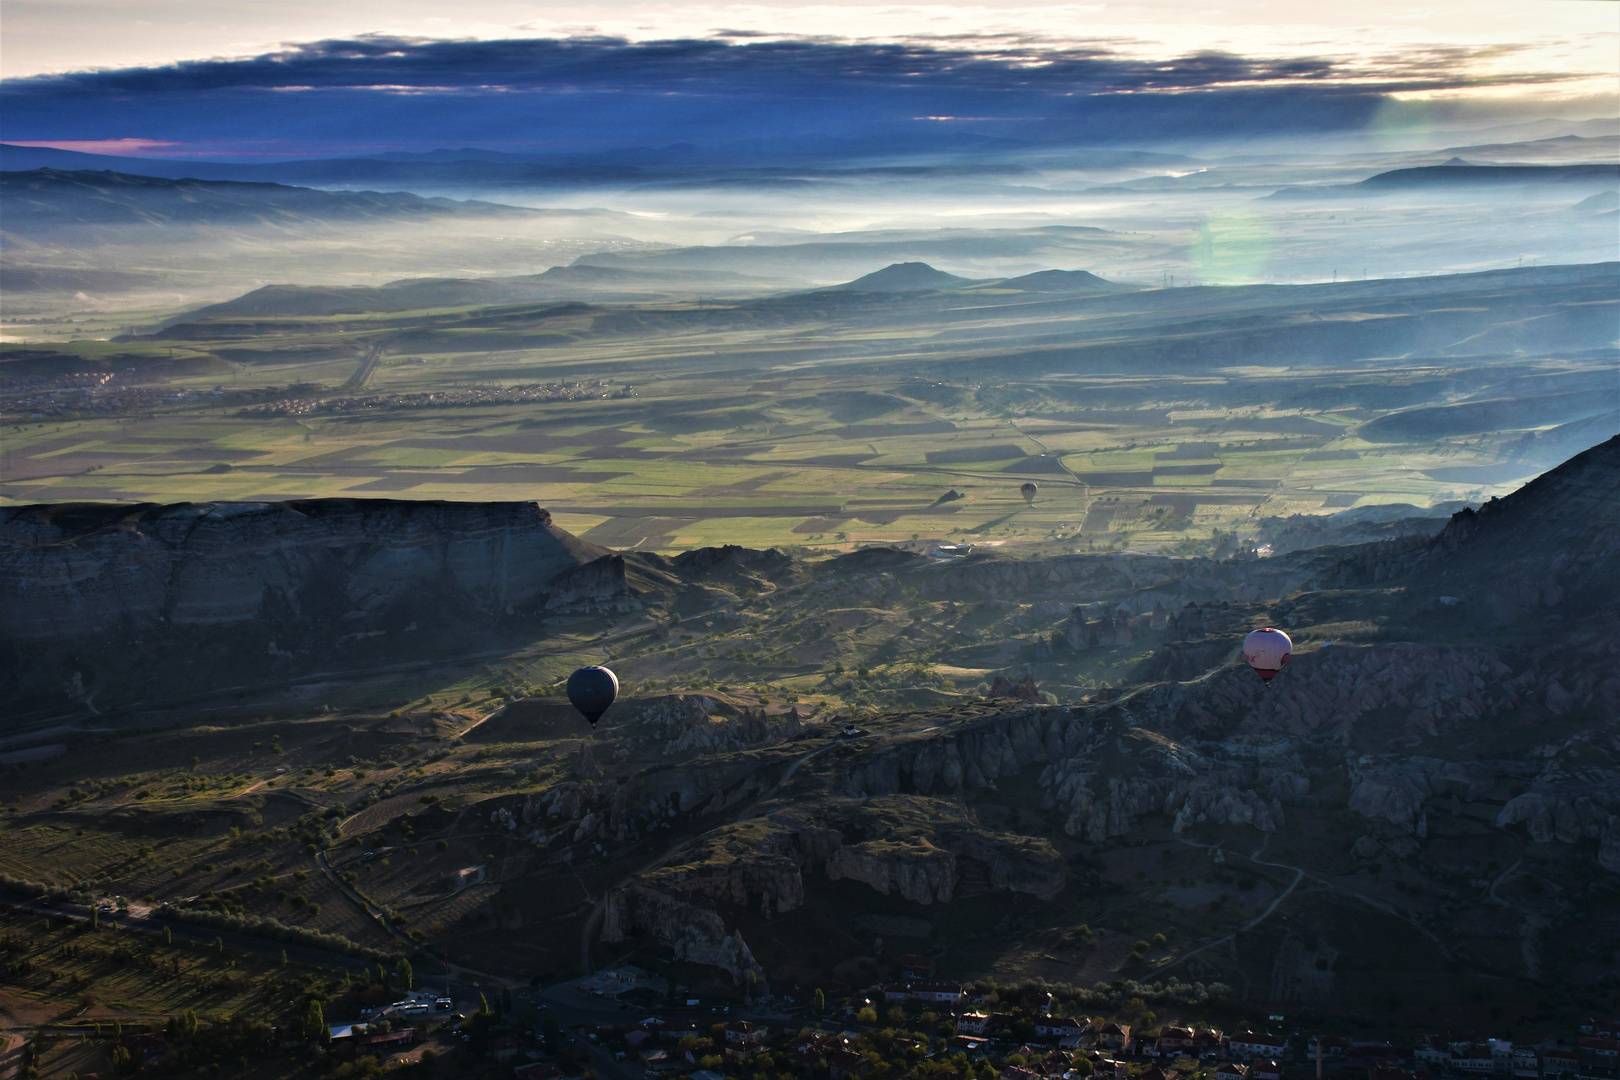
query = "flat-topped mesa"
x=99 y=598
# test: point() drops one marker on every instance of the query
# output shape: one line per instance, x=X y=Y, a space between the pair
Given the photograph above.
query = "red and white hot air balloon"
x=1267 y=650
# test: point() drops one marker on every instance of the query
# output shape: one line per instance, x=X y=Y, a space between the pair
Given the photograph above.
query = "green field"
x=830 y=424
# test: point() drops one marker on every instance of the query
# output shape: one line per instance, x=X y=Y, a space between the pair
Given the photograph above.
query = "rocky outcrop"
x=698 y=723
x=731 y=561
x=1023 y=690
x=914 y=869
x=911 y=845
x=595 y=584
x=147 y=598
x=905 y=845
x=1102 y=627
x=694 y=933
x=1552 y=545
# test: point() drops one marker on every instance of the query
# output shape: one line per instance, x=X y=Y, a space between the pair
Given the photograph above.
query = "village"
x=923 y=1029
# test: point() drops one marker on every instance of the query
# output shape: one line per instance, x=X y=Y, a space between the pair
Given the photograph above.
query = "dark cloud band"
x=599 y=92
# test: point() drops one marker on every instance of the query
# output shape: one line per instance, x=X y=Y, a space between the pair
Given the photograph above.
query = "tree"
x=819 y=1001
x=402 y=971
x=315 y=1024
x=284 y=958
x=168 y=936
x=753 y=985
x=1082 y=1065
x=219 y=945
x=867 y=1015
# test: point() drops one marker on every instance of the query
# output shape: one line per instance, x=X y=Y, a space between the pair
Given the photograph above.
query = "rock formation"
x=131 y=600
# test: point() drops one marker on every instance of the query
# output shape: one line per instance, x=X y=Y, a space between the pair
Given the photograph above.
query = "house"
x=972 y=1023
x=1526 y=1063
x=917 y=967
x=935 y=993
x=841 y=1063
x=655 y=1061
x=707 y=1074
x=673 y=1031
x=1432 y=1051
x=537 y=1070
x=1609 y=1029
x=636 y=1036
x=1014 y=1072
x=1599 y=1057
x=1364 y=1055
x=971 y=1045
x=1388 y=1070
x=1108 y=1069
x=1475 y=1059
x=1332 y=1047
x=1558 y=1062
x=1229 y=1071
x=1113 y=1036
x=1173 y=1041
x=1153 y=1072
x=1207 y=1041
x=744 y=1033
x=501 y=1048
x=1249 y=1045
x=1266 y=1069
x=1058 y=1028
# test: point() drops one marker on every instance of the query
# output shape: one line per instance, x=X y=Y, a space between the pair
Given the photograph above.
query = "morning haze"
x=995 y=543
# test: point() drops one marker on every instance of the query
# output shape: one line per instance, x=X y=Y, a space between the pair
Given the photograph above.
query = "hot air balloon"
x=591 y=690
x=1028 y=491
x=1267 y=650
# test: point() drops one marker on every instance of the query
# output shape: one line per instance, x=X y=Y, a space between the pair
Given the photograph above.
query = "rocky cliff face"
x=1552 y=545
x=898 y=844
x=693 y=932
x=113 y=602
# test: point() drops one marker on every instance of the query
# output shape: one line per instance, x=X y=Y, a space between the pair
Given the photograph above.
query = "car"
x=369 y=855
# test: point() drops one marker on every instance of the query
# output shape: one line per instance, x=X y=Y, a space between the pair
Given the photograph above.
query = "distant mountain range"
x=920 y=277
x=1459 y=174
x=600 y=283
x=467 y=168
x=48 y=199
x=603 y=283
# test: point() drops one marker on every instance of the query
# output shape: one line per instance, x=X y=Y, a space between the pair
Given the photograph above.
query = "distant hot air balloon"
x=1267 y=650
x=591 y=690
x=1028 y=491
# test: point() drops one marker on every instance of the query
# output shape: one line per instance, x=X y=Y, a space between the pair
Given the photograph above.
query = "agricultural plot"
x=828 y=420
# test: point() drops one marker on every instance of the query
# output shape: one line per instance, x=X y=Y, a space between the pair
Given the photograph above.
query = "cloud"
x=590 y=93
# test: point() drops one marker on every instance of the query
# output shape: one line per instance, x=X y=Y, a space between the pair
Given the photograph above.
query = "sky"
x=257 y=79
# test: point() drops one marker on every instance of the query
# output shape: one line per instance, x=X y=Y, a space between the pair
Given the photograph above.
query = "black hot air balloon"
x=592 y=690
x=1028 y=491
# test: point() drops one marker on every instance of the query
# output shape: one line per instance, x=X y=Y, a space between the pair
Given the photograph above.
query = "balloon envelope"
x=591 y=690
x=1267 y=650
x=1028 y=492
